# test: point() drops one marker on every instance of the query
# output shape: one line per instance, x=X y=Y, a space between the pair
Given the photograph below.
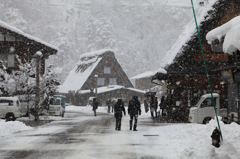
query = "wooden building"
x=99 y=69
x=226 y=39
x=14 y=42
x=186 y=77
x=143 y=80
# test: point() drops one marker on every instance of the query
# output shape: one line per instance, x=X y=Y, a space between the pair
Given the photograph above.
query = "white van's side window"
x=18 y=103
x=6 y=102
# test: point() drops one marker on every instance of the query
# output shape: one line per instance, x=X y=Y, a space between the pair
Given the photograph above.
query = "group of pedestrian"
x=152 y=104
x=134 y=109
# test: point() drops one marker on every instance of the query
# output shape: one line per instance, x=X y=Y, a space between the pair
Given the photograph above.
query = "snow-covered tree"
x=3 y=80
x=48 y=87
x=99 y=34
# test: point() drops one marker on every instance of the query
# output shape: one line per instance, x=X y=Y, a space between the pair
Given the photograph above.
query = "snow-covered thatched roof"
x=149 y=74
x=78 y=76
x=144 y=75
x=111 y=88
x=231 y=31
x=189 y=31
x=20 y=32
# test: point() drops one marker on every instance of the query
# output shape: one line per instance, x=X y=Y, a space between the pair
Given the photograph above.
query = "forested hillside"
x=140 y=32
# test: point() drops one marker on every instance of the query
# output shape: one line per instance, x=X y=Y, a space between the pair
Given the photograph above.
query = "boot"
x=130 y=124
x=135 y=127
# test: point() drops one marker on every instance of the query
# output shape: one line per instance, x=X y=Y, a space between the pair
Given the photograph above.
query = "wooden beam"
x=162 y=84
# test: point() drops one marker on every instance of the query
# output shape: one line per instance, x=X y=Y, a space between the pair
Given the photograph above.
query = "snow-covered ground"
x=170 y=141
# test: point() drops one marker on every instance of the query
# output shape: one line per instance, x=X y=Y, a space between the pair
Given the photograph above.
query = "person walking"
x=155 y=106
x=95 y=106
x=151 y=101
x=146 y=106
x=108 y=103
x=118 y=109
x=163 y=106
x=134 y=109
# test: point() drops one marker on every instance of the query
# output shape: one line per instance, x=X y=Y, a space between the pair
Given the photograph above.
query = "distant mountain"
x=140 y=32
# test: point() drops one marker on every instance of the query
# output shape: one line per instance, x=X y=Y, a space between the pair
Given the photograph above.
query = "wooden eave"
x=34 y=45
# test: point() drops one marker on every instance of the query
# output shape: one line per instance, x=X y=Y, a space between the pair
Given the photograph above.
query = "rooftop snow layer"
x=189 y=30
x=9 y=27
x=144 y=75
x=231 y=31
x=94 y=53
x=78 y=76
x=110 y=88
x=76 y=79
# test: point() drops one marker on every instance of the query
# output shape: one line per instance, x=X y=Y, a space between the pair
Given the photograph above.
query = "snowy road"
x=79 y=136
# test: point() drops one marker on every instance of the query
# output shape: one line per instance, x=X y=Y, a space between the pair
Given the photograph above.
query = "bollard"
x=216 y=137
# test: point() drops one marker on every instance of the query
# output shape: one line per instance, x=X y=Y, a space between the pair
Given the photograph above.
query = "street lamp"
x=96 y=77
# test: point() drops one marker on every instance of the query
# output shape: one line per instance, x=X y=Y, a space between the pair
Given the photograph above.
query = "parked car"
x=204 y=111
x=10 y=108
x=57 y=105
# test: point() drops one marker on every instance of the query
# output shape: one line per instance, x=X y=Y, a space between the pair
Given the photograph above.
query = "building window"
x=10 y=37
x=107 y=70
x=8 y=59
x=100 y=81
x=1 y=36
x=112 y=81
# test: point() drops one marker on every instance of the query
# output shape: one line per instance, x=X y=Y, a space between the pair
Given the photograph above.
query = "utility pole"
x=38 y=67
x=96 y=76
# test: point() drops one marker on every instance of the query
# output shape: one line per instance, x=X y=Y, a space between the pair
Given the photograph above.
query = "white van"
x=57 y=105
x=204 y=111
x=10 y=108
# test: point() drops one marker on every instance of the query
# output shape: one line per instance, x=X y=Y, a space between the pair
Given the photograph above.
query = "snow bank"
x=11 y=127
x=166 y=140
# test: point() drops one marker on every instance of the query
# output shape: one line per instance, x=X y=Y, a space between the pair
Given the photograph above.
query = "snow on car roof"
x=9 y=98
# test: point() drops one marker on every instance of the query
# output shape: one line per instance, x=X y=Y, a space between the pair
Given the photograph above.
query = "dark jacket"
x=108 y=102
x=163 y=103
x=134 y=107
x=119 y=108
x=95 y=104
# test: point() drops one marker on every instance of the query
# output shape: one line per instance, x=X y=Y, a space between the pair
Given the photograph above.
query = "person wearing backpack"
x=134 y=109
x=118 y=109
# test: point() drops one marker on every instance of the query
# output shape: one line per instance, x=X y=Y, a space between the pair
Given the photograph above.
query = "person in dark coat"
x=134 y=109
x=163 y=106
x=155 y=106
x=95 y=106
x=151 y=106
x=146 y=106
x=113 y=103
x=108 y=103
x=118 y=109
